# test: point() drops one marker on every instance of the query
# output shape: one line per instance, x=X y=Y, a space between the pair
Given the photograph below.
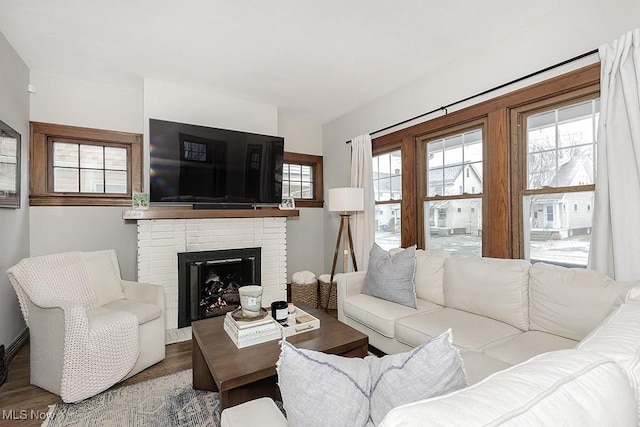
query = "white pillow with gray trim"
x=321 y=389
x=431 y=369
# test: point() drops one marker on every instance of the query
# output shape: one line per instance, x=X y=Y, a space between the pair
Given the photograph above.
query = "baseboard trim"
x=7 y=354
x=16 y=345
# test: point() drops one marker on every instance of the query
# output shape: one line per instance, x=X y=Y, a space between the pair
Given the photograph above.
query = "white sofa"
x=501 y=311
x=542 y=345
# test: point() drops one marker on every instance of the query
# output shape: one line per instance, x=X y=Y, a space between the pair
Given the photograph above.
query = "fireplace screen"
x=209 y=281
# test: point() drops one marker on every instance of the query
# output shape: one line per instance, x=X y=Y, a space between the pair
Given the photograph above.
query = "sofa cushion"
x=104 y=275
x=479 y=366
x=430 y=275
x=567 y=387
x=470 y=331
x=391 y=277
x=491 y=287
x=144 y=312
x=618 y=338
x=571 y=302
x=314 y=387
x=379 y=314
x=524 y=346
x=432 y=369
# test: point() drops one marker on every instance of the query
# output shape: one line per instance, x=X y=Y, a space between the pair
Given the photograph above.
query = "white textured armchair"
x=88 y=328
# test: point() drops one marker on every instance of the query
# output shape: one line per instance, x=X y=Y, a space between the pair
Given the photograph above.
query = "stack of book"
x=249 y=332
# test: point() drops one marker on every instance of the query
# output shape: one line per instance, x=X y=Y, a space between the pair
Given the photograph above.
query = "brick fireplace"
x=161 y=240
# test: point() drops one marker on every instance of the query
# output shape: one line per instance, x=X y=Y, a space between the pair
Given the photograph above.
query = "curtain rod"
x=445 y=107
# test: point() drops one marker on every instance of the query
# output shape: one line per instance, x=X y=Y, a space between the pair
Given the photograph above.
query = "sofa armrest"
x=258 y=412
x=348 y=284
x=144 y=292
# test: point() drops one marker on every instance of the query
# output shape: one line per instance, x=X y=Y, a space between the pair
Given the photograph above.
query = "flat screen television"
x=213 y=168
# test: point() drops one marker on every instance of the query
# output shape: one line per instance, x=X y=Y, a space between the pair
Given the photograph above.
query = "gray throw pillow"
x=431 y=369
x=392 y=277
x=323 y=390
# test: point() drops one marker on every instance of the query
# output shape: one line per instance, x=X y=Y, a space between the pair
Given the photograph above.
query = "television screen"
x=199 y=164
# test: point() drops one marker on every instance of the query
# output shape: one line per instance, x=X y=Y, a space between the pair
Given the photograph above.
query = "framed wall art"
x=9 y=167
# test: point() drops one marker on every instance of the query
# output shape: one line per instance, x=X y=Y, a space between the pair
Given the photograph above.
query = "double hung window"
x=387 y=188
x=453 y=184
x=557 y=189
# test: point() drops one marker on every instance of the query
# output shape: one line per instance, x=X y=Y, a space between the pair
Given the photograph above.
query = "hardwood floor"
x=29 y=404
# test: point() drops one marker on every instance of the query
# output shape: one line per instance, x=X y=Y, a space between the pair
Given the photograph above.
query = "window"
x=88 y=168
x=387 y=188
x=82 y=167
x=302 y=179
x=9 y=167
x=559 y=147
x=453 y=171
x=500 y=227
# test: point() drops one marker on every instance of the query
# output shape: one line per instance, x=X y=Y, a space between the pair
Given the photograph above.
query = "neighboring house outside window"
x=76 y=166
x=387 y=187
x=452 y=207
x=560 y=170
x=302 y=179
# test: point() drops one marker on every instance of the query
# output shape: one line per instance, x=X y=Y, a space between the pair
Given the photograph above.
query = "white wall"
x=305 y=234
x=14 y=223
x=575 y=27
x=68 y=101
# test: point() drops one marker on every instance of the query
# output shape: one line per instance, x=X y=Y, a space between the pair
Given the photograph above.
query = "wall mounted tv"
x=213 y=168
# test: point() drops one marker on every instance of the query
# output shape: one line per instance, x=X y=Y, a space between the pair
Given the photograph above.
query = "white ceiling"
x=319 y=57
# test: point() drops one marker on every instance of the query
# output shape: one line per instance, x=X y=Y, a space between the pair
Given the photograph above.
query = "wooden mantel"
x=186 y=212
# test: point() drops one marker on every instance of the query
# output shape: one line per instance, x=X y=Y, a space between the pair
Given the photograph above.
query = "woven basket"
x=305 y=293
x=324 y=291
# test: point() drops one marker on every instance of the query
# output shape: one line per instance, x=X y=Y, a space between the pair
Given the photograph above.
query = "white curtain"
x=363 y=223
x=615 y=242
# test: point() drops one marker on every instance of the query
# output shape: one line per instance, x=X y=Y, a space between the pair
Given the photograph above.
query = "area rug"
x=164 y=401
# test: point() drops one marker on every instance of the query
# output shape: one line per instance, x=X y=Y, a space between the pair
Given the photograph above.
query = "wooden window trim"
x=500 y=235
x=40 y=164
x=316 y=163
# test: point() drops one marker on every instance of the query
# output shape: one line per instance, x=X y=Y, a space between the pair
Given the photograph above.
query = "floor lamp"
x=344 y=200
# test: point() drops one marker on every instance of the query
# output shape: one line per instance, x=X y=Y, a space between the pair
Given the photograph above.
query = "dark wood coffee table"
x=244 y=374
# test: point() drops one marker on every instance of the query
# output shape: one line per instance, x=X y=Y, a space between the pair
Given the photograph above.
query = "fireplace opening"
x=208 y=281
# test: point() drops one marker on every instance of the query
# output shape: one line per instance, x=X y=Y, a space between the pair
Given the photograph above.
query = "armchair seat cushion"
x=470 y=331
x=379 y=314
x=144 y=312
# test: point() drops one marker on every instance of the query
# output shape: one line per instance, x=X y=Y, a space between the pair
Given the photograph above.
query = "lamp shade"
x=346 y=199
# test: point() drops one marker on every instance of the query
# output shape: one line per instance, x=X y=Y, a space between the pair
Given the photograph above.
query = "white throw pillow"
x=431 y=369
x=321 y=389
